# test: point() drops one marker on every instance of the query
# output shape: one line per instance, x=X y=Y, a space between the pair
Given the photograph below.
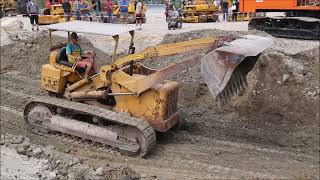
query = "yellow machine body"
x=127 y=86
x=157 y=104
x=201 y=12
x=56 y=15
x=7 y=7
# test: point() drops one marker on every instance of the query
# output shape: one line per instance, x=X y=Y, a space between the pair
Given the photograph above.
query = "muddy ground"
x=271 y=131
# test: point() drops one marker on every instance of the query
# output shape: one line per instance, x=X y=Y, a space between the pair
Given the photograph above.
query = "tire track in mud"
x=193 y=161
x=171 y=159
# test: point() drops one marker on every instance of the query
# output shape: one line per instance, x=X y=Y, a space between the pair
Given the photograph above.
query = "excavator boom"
x=218 y=67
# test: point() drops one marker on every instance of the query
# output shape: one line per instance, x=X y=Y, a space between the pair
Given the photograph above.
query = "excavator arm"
x=224 y=67
x=168 y=49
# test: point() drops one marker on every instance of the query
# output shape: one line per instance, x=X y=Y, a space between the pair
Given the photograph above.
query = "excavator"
x=125 y=103
x=301 y=21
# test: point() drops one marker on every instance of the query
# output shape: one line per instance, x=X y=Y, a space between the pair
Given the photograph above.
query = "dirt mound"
x=282 y=98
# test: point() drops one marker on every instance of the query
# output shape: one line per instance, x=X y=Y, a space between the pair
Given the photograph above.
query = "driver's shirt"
x=74 y=51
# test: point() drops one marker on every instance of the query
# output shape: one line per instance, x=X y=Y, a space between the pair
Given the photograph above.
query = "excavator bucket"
x=225 y=69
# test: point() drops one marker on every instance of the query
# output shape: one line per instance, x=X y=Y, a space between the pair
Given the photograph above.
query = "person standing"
x=235 y=10
x=47 y=7
x=84 y=10
x=139 y=13
x=76 y=7
x=33 y=12
x=178 y=5
x=66 y=6
x=108 y=8
x=216 y=4
x=224 y=9
x=96 y=5
x=124 y=11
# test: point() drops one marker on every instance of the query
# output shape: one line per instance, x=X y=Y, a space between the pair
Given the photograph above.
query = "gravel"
x=23 y=160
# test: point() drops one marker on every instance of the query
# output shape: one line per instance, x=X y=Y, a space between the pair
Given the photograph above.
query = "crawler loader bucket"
x=225 y=69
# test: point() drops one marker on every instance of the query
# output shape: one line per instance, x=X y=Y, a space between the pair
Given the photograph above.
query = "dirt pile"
x=24 y=160
x=282 y=98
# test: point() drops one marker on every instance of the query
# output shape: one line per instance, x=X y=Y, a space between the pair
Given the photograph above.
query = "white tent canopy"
x=91 y=28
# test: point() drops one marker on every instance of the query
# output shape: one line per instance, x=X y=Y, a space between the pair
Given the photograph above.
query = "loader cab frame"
x=88 y=28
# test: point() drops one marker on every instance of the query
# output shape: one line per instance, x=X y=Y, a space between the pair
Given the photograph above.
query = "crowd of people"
x=95 y=10
x=88 y=10
x=102 y=10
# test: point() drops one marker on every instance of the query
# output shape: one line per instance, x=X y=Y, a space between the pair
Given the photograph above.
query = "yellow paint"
x=157 y=105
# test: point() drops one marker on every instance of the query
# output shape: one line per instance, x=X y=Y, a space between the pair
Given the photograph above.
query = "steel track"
x=124 y=120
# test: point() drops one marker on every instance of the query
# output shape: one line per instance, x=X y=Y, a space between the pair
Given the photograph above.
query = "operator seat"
x=62 y=58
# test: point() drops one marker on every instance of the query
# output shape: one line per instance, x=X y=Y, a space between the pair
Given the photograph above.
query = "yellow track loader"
x=7 y=8
x=126 y=102
x=56 y=15
x=200 y=11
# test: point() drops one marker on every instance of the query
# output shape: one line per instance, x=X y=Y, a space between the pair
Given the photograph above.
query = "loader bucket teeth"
x=225 y=69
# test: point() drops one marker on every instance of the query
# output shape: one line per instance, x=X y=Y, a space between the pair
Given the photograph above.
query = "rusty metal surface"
x=88 y=95
x=225 y=69
x=249 y=45
x=147 y=82
x=168 y=49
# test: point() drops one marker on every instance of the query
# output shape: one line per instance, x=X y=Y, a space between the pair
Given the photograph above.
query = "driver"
x=75 y=53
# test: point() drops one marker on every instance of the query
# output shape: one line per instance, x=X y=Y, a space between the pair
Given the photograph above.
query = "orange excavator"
x=302 y=18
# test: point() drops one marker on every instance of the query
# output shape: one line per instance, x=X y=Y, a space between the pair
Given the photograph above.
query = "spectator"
x=108 y=8
x=96 y=5
x=139 y=7
x=166 y=9
x=178 y=4
x=235 y=10
x=33 y=12
x=66 y=6
x=224 y=9
x=216 y=4
x=46 y=11
x=124 y=11
x=76 y=7
x=84 y=10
